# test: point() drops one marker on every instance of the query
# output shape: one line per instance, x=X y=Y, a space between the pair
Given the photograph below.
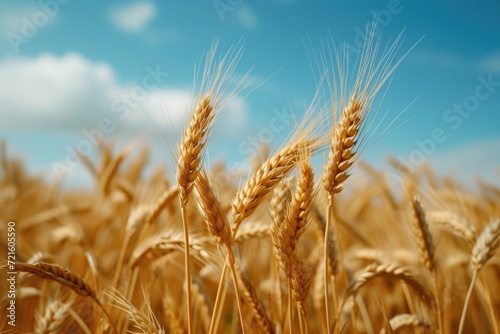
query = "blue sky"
x=63 y=63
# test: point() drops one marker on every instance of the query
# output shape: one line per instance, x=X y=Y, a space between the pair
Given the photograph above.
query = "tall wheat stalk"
x=371 y=75
x=216 y=78
x=286 y=235
x=484 y=249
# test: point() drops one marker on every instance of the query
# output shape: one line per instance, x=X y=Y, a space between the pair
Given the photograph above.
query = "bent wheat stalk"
x=64 y=277
x=392 y=271
x=256 y=188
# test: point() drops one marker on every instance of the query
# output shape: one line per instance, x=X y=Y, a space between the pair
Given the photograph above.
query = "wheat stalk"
x=427 y=253
x=215 y=81
x=336 y=172
x=370 y=77
x=188 y=163
x=201 y=299
x=64 y=277
x=392 y=271
x=287 y=233
x=218 y=226
x=135 y=221
x=484 y=249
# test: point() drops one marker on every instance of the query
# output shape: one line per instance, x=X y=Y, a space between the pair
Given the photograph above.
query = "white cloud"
x=246 y=17
x=133 y=17
x=73 y=93
x=164 y=107
x=490 y=63
x=51 y=91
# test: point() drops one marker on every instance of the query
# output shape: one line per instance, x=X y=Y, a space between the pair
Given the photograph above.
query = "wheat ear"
x=402 y=321
x=484 y=249
x=172 y=314
x=52 y=318
x=259 y=312
x=256 y=188
x=423 y=236
x=64 y=277
x=296 y=219
x=146 y=323
x=426 y=248
x=302 y=274
x=211 y=210
x=456 y=224
x=394 y=272
x=191 y=147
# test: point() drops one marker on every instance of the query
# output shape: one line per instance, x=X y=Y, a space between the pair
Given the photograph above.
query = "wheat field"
x=285 y=248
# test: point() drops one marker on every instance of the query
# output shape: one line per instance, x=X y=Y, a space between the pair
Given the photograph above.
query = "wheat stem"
x=187 y=266
x=302 y=320
x=290 y=309
x=230 y=259
x=218 y=299
x=467 y=299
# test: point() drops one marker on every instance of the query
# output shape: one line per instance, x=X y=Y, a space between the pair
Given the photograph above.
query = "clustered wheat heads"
x=304 y=255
